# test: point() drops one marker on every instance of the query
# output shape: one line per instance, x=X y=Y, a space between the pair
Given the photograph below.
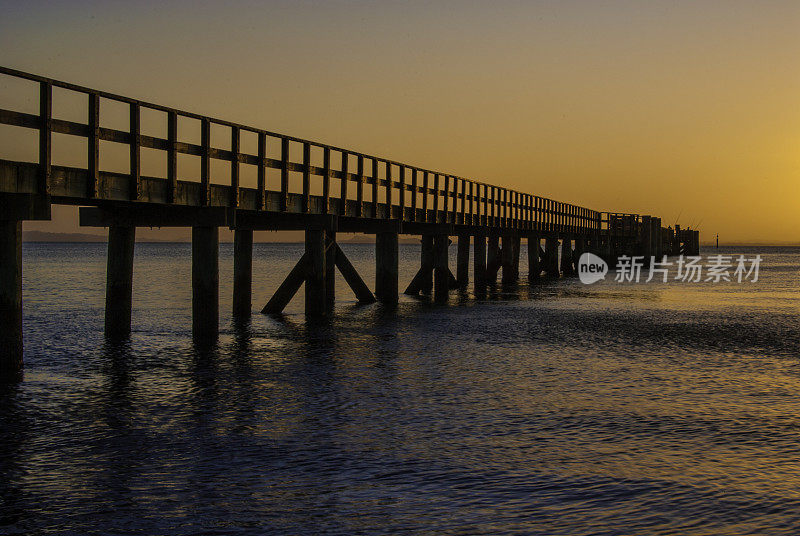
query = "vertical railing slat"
x=93 y=145
x=388 y=190
x=235 y=145
x=425 y=189
x=360 y=186
x=435 y=198
x=262 y=171
x=414 y=193
x=284 y=196
x=345 y=180
x=172 y=156
x=306 y=177
x=402 y=196
x=45 y=137
x=205 y=162
x=326 y=179
x=374 y=187
x=135 y=152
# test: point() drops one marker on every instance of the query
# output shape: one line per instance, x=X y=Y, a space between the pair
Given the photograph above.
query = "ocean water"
x=558 y=408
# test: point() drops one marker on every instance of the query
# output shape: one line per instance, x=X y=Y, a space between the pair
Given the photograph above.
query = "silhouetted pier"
x=358 y=193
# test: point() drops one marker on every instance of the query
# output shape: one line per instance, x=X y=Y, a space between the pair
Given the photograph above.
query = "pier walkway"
x=299 y=185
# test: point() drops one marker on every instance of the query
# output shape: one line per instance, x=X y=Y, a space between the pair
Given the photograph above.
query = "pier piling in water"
x=551 y=257
x=119 y=281
x=205 y=283
x=441 y=270
x=316 y=270
x=534 y=265
x=479 y=264
x=386 y=267
x=462 y=261
x=10 y=299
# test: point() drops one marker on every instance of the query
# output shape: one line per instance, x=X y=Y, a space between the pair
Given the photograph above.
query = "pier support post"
x=205 y=283
x=507 y=259
x=580 y=247
x=516 y=241
x=331 y=252
x=566 y=256
x=242 y=272
x=534 y=264
x=479 y=264
x=386 y=267
x=462 y=266
x=492 y=258
x=119 y=281
x=441 y=270
x=646 y=240
x=10 y=299
x=551 y=256
x=316 y=271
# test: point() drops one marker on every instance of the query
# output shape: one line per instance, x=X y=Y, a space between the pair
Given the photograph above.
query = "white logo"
x=591 y=268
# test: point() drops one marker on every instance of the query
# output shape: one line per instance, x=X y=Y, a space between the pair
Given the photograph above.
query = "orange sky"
x=666 y=108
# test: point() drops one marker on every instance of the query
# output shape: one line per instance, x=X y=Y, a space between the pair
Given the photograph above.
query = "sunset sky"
x=687 y=109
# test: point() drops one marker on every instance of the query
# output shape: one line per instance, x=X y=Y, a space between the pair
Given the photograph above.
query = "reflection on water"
x=547 y=409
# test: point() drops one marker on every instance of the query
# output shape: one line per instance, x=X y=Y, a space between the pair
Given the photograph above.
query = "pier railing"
x=368 y=186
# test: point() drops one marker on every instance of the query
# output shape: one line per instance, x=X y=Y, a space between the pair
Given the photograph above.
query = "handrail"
x=445 y=197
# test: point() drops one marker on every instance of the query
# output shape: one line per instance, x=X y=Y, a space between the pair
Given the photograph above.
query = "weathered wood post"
x=386 y=267
x=566 y=256
x=427 y=262
x=330 y=268
x=510 y=257
x=242 y=272
x=119 y=281
x=580 y=247
x=479 y=263
x=462 y=266
x=205 y=283
x=10 y=299
x=646 y=240
x=658 y=239
x=316 y=271
x=551 y=256
x=534 y=264
x=492 y=258
x=441 y=270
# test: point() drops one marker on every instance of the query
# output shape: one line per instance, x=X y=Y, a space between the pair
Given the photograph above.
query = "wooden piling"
x=479 y=263
x=580 y=248
x=492 y=258
x=441 y=269
x=462 y=261
x=551 y=256
x=566 y=256
x=10 y=300
x=331 y=251
x=507 y=259
x=534 y=263
x=119 y=281
x=386 y=267
x=316 y=270
x=242 y=272
x=205 y=283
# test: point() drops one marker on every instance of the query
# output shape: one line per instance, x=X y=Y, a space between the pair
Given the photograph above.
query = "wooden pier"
x=359 y=194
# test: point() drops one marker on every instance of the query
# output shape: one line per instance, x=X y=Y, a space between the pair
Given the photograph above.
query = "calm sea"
x=554 y=409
